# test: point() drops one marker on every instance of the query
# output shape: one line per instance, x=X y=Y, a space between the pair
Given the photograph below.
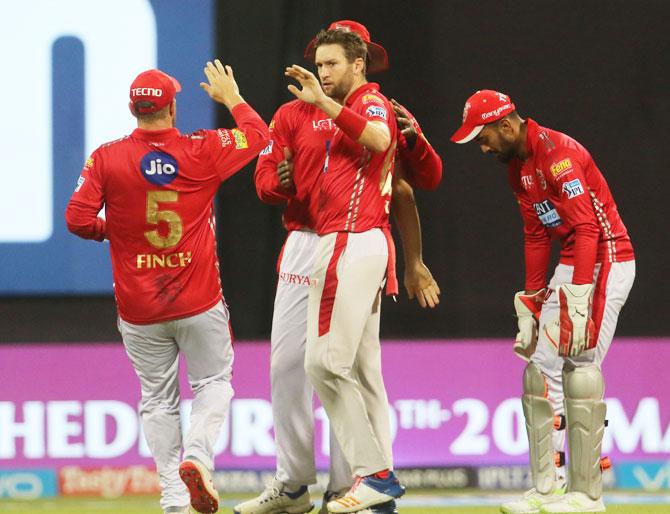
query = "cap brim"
x=379 y=59
x=466 y=133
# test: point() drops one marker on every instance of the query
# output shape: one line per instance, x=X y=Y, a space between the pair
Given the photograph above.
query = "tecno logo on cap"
x=146 y=91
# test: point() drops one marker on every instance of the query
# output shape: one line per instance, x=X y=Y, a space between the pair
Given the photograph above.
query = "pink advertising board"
x=452 y=402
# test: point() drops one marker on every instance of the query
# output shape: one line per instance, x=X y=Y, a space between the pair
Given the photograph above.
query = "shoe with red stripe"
x=367 y=492
x=198 y=480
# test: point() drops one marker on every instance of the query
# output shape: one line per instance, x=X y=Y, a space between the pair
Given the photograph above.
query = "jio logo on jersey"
x=159 y=168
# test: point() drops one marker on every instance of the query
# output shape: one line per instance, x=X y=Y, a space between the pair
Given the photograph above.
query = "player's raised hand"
x=221 y=86
x=419 y=283
x=405 y=124
x=311 y=91
x=285 y=170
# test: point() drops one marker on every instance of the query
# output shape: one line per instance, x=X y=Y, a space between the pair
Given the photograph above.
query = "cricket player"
x=565 y=327
x=354 y=255
x=288 y=172
x=157 y=187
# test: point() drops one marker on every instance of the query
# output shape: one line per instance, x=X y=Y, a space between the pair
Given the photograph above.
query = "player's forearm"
x=254 y=128
x=83 y=221
x=585 y=253
x=425 y=166
x=268 y=188
x=537 y=255
x=406 y=215
x=371 y=135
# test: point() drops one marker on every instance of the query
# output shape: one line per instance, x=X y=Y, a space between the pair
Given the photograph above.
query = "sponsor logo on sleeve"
x=159 y=168
x=80 y=182
x=547 y=213
x=224 y=137
x=573 y=188
x=561 y=167
x=89 y=163
x=375 y=111
x=272 y=125
x=368 y=99
x=240 y=139
x=268 y=149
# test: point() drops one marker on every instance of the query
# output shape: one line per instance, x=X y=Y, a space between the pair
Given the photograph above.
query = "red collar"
x=153 y=135
x=532 y=130
x=359 y=91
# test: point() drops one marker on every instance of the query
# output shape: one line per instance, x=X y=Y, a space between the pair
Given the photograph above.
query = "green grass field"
x=149 y=505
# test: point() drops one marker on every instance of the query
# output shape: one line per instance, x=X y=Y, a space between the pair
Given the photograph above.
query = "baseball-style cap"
x=155 y=87
x=378 y=58
x=482 y=108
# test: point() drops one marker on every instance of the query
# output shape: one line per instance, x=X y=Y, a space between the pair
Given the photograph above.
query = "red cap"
x=153 y=86
x=378 y=58
x=485 y=106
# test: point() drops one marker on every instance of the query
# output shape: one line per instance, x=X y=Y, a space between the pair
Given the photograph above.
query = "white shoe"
x=276 y=499
x=532 y=501
x=575 y=502
x=329 y=496
x=368 y=492
x=198 y=480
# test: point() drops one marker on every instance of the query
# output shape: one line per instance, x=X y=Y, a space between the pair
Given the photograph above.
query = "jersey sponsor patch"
x=561 y=167
x=224 y=137
x=89 y=163
x=80 y=182
x=240 y=139
x=271 y=127
x=159 y=168
x=547 y=213
x=268 y=149
x=325 y=124
x=527 y=181
x=368 y=99
x=376 y=111
x=573 y=188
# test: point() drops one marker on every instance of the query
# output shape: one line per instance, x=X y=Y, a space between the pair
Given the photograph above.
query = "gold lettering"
x=141 y=259
x=158 y=260
x=169 y=261
x=185 y=259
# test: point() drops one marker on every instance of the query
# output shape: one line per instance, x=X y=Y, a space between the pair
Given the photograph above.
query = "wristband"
x=351 y=123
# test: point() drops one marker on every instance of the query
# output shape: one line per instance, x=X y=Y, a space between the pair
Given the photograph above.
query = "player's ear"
x=359 y=65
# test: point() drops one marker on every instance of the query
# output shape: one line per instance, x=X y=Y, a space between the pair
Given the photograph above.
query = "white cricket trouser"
x=292 y=393
x=613 y=282
x=206 y=342
x=343 y=357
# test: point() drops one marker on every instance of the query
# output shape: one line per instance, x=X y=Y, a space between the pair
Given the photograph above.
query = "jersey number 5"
x=155 y=216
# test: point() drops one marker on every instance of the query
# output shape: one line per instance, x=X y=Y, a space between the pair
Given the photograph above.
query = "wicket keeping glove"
x=574 y=329
x=528 y=307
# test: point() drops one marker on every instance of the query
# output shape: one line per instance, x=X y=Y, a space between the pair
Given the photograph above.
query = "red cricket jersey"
x=356 y=183
x=157 y=188
x=307 y=132
x=562 y=194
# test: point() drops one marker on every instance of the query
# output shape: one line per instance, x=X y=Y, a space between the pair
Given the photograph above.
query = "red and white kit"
x=563 y=195
x=157 y=188
x=307 y=132
x=343 y=357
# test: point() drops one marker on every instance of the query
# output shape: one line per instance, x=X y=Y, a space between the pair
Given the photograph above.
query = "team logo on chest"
x=540 y=178
x=159 y=168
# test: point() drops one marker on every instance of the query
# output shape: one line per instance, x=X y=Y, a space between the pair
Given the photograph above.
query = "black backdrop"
x=594 y=70
x=597 y=70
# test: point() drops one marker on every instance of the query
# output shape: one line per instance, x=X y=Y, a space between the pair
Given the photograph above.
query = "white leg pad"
x=585 y=416
x=539 y=426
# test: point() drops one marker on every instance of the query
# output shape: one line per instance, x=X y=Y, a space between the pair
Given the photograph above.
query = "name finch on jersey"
x=157 y=187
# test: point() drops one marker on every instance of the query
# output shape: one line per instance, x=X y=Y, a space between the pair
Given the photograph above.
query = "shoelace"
x=271 y=492
x=357 y=482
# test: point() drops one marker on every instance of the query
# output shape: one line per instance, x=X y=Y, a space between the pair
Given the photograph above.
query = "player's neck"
x=155 y=125
x=358 y=82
